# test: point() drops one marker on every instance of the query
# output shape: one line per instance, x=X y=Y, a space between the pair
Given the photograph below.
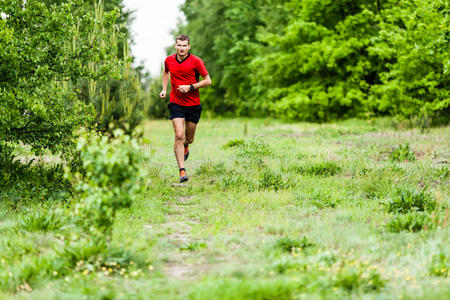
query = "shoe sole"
x=186 y=156
x=183 y=179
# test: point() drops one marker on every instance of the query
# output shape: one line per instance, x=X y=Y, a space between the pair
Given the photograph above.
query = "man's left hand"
x=184 y=88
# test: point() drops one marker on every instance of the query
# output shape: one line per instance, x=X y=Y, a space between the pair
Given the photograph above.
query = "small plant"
x=319 y=169
x=234 y=143
x=356 y=276
x=40 y=220
x=288 y=244
x=322 y=199
x=402 y=153
x=440 y=264
x=271 y=180
x=408 y=200
x=441 y=173
x=413 y=221
x=193 y=246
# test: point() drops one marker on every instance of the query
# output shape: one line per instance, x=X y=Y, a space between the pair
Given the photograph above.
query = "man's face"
x=182 y=47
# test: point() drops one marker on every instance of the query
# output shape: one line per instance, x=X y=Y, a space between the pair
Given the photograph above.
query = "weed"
x=402 y=153
x=441 y=173
x=234 y=143
x=440 y=264
x=326 y=168
x=322 y=199
x=407 y=200
x=40 y=220
x=413 y=221
x=272 y=180
x=354 y=276
x=193 y=246
x=288 y=244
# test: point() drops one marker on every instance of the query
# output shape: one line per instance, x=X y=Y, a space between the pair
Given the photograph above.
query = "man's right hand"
x=162 y=95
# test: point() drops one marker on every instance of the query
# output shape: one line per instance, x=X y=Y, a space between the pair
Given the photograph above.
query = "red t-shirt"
x=185 y=72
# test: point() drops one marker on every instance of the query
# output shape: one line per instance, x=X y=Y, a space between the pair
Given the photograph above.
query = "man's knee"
x=190 y=140
x=179 y=137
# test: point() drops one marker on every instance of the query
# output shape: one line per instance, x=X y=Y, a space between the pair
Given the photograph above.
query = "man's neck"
x=180 y=58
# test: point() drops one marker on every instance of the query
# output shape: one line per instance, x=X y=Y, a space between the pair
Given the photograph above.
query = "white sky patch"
x=153 y=22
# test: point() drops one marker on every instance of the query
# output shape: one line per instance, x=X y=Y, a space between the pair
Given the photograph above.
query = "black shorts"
x=189 y=113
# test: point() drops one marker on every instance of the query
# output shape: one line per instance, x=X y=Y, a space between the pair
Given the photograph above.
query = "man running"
x=184 y=106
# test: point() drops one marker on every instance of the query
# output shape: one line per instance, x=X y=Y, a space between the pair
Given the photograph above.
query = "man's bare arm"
x=203 y=83
x=165 y=81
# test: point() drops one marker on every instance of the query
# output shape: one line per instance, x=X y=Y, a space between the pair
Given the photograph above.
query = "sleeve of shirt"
x=166 y=66
x=200 y=67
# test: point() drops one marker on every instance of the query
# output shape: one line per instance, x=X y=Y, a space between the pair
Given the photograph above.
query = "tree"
x=45 y=48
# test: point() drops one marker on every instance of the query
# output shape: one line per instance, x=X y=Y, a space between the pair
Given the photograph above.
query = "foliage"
x=41 y=220
x=440 y=264
x=288 y=244
x=408 y=200
x=45 y=48
x=323 y=60
x=402 y=153
x=326 y=168
x=234 y=143
x=112 y=178
x=272 y=180
x=411 y=221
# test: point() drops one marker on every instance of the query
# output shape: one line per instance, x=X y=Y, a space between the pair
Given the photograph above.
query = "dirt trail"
x=183 y=265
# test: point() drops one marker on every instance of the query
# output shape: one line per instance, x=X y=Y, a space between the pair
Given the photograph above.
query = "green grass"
x=272 y=210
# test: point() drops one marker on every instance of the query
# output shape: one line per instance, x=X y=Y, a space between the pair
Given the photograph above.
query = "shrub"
x=112 y=178
x=408 y=200
x=413 y=221
x=402 y=153
x=319 y=169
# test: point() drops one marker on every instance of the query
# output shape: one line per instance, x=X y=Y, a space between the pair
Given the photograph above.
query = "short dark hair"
x=183 y=37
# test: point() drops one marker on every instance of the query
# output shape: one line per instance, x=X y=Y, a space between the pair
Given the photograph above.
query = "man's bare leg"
x=189 y=133
x=178 y=127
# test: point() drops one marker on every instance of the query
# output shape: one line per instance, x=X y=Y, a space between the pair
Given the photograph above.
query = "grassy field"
x=272 y=210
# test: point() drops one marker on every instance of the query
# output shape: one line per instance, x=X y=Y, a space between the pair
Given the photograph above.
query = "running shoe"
x=183 y=176
x=186 y=152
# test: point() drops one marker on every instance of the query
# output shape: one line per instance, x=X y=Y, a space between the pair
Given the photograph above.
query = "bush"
x=409 y=200
x=112 y=179
x=402 y=153
x=413 y=221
